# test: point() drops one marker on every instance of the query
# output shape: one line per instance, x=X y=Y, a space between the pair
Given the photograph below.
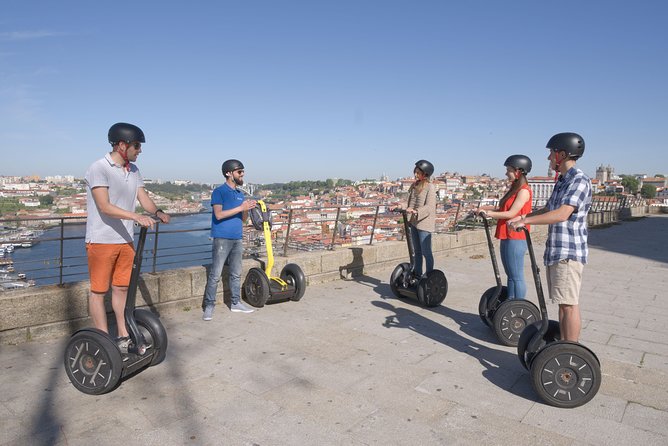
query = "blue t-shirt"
x=230 y=227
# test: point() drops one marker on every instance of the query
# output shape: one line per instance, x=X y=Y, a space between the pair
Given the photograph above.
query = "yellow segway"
x=260 y=287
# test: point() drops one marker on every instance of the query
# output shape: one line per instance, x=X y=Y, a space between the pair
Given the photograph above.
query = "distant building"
x=605 y=173
x=657 y=182
x=541 y=188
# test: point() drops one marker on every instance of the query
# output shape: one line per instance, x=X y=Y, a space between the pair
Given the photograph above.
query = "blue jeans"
x=223 y=250
x=512 y=257
x=422 y=247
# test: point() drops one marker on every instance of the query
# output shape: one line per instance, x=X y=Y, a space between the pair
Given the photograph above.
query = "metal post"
x=336 y=224
x=62 y=241
x=373 y=228
x=287 y=234
x=454 y=225
x=155 y=244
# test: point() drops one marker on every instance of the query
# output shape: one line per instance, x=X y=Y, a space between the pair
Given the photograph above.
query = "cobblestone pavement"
x=351 y=364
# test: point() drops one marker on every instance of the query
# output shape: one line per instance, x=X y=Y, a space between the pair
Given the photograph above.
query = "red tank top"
x=502 y=230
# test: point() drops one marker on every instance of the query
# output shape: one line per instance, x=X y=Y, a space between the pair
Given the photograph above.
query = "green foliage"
x=45 y=200
x=630 y=184
x=172 y=191
x=296 y=188
x=648 y=191
x=10 y=205
x=660 y=175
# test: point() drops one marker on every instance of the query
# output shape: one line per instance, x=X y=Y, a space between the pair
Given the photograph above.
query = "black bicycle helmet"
x=122 y=131
x=426 y=167
x=519 y=162
x=571 y=143
x=232 y=165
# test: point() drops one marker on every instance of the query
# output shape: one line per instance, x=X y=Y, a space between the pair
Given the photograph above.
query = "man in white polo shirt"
x=113 y=186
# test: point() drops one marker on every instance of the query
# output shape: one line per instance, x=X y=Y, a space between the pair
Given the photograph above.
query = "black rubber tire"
x=397 y=278
x=553 y=334
x=566 y=374
x=432 y=288
x=154 y=334
x=511 y=318
x=484 y=301
x=93 y=362
x=256 y=288
x=293 y=275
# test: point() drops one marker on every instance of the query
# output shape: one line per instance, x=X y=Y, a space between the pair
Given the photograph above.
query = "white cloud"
x=14 y=36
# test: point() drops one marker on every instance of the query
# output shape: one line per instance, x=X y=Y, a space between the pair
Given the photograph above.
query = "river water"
x=175 y=249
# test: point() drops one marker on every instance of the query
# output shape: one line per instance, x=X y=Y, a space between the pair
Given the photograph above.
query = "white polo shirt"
x=122 y=186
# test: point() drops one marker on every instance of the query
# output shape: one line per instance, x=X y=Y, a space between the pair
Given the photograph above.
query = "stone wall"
x=54 y=311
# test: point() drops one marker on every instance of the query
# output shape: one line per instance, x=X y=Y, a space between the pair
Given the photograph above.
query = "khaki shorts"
x=563 y=282
x=109 y=263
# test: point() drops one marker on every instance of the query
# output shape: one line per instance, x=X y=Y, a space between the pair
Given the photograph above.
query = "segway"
x=260 y=287
x=563 y=373
x=93 y=361
x=507 y=317
x=430 y=289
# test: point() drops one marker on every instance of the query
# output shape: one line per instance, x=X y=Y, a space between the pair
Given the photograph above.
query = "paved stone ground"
x=350 y=364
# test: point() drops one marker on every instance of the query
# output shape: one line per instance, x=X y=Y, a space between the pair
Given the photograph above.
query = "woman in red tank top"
x=517 y=201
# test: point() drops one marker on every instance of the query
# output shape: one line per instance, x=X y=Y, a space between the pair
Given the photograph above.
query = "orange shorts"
x=109 y=263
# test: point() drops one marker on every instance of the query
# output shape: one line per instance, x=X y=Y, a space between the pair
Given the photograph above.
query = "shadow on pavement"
x=644 y=237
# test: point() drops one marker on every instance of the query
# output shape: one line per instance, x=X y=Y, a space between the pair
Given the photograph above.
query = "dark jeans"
x=422 y=246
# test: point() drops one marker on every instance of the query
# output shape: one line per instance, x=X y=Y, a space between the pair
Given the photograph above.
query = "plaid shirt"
x=568 y=239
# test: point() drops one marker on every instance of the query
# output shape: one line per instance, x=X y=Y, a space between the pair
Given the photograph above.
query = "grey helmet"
x=231 y=165
x=425 y=166
x=571 y=143
x=521 y=162
x=122 y=131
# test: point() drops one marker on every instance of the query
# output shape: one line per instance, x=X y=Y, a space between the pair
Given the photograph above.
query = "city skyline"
x=304 y=90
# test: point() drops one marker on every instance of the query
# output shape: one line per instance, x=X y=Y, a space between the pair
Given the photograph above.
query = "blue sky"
x=303 y=90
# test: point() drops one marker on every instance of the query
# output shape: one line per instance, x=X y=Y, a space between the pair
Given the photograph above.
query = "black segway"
x=260 y=287
x=507 y=317
x=564 y=374
x=430 y=289
x=93 y=361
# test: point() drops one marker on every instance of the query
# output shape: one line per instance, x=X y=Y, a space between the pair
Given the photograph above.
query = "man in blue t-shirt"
x=229 y=211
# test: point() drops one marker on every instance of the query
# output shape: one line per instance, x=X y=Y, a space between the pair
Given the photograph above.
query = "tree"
x=648 y=191
x=630 y=184
x=45 y=200
x=660 y=175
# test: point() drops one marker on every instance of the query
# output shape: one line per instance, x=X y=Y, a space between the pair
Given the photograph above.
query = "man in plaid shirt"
x=566 y=214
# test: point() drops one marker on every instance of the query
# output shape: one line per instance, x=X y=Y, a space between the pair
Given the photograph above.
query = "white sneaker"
x=240 y=307
x=208 y=313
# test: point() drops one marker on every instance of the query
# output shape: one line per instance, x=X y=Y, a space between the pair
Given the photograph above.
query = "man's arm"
x=543 y=217
x=221 y=213
x=101 y=197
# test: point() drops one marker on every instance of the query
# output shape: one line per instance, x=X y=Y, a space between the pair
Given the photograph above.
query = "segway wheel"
x=483 y=309
x=398 y=278
x=154 y=334
x=432 y=289
x=93 y=362
x=511 y=318
x=566 y=374
x=553 y=334
x=293 y=275
x=256 y=288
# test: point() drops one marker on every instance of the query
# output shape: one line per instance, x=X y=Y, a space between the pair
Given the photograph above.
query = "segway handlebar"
x=135 y=334
x=536 y=277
